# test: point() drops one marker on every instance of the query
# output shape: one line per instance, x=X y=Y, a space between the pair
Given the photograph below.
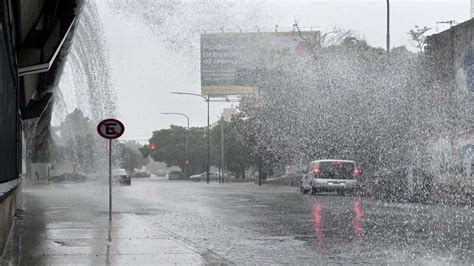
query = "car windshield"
x=119 y=172
x=264 y=132
x=335 y=169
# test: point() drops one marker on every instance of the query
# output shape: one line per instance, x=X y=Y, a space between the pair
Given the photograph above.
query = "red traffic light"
x=152 y=146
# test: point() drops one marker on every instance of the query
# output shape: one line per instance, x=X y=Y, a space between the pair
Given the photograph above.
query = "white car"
x=203 y=176
x=331 y=175
x=121 y=176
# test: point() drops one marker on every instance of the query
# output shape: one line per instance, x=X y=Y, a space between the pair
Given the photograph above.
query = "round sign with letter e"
x=110 y=128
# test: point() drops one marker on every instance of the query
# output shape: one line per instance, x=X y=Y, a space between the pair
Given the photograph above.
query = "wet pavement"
x=156 y=221
x=65 y=224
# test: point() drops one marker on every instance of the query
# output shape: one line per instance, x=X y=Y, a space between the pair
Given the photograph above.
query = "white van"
x=331 y=175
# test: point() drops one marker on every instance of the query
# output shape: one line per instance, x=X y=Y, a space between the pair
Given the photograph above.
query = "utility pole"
x=222 y=148
x=208 y=140
x=388 y=26
x=206 y=99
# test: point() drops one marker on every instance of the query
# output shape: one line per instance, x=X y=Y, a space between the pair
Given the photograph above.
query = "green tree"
x=130 y=156
x=78 y=143
x=351 y=102
x=237 y=155
x=170 y=148
x=418 y=36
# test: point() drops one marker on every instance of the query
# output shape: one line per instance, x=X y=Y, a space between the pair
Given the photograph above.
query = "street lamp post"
x=206 y=99
x=186 y=145
x=388 y=26
x=222 y=151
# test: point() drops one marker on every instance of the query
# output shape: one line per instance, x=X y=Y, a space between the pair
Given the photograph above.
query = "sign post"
x=110 y=179
x=110 y=129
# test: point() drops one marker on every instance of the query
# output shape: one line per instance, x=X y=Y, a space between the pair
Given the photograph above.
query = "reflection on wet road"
x=357 y=221
x=248 y=224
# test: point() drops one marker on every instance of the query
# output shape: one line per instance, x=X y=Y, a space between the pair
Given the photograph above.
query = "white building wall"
x=229 y=112
x=472 y=8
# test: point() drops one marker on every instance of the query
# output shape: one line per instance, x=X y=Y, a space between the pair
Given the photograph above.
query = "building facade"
x=451 y=63
x=34 y=40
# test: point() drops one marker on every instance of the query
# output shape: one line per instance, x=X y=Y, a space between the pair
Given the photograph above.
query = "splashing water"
x=86 y=83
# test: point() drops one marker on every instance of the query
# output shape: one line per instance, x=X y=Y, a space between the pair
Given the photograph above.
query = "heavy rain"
x=236 y=132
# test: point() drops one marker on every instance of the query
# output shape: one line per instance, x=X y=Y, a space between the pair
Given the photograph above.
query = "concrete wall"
x=451 y=53
x=9 y=200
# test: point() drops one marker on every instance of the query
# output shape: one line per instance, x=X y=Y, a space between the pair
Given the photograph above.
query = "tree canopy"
x=350 y=101
x=170 y=147
x=130 y=156
x=237 y=153
x=77 y=143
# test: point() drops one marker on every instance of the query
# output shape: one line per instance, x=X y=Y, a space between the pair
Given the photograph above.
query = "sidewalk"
x=61 y=228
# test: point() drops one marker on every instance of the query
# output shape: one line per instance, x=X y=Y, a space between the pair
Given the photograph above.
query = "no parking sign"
x=110 y=129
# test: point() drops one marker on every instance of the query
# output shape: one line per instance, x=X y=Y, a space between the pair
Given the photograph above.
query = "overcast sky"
x=145 y=71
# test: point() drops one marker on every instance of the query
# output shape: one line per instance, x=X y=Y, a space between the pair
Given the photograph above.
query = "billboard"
x=226 y=57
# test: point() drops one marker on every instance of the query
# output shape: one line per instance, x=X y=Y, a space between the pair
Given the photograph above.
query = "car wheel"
x=314 y=191
x=341 y=192
x=303 y=190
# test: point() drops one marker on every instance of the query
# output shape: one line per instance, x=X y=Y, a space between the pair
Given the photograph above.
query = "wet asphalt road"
x=241 y=223
x=247 y=224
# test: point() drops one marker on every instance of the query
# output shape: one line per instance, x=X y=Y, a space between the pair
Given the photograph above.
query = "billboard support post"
x=222 y=148
x=208 y=140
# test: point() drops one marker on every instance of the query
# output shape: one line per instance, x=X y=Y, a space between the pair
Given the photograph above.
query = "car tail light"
x=316 y=170
x=356 y=171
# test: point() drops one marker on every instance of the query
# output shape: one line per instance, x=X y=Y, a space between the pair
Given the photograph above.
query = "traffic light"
x=152 y=146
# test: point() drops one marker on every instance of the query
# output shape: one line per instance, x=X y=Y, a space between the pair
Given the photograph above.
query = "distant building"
x=451 y=54
x=452 y=50
x=229 y=112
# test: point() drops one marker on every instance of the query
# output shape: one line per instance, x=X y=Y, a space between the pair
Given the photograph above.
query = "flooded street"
x=236 y=223
x=224 y=132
